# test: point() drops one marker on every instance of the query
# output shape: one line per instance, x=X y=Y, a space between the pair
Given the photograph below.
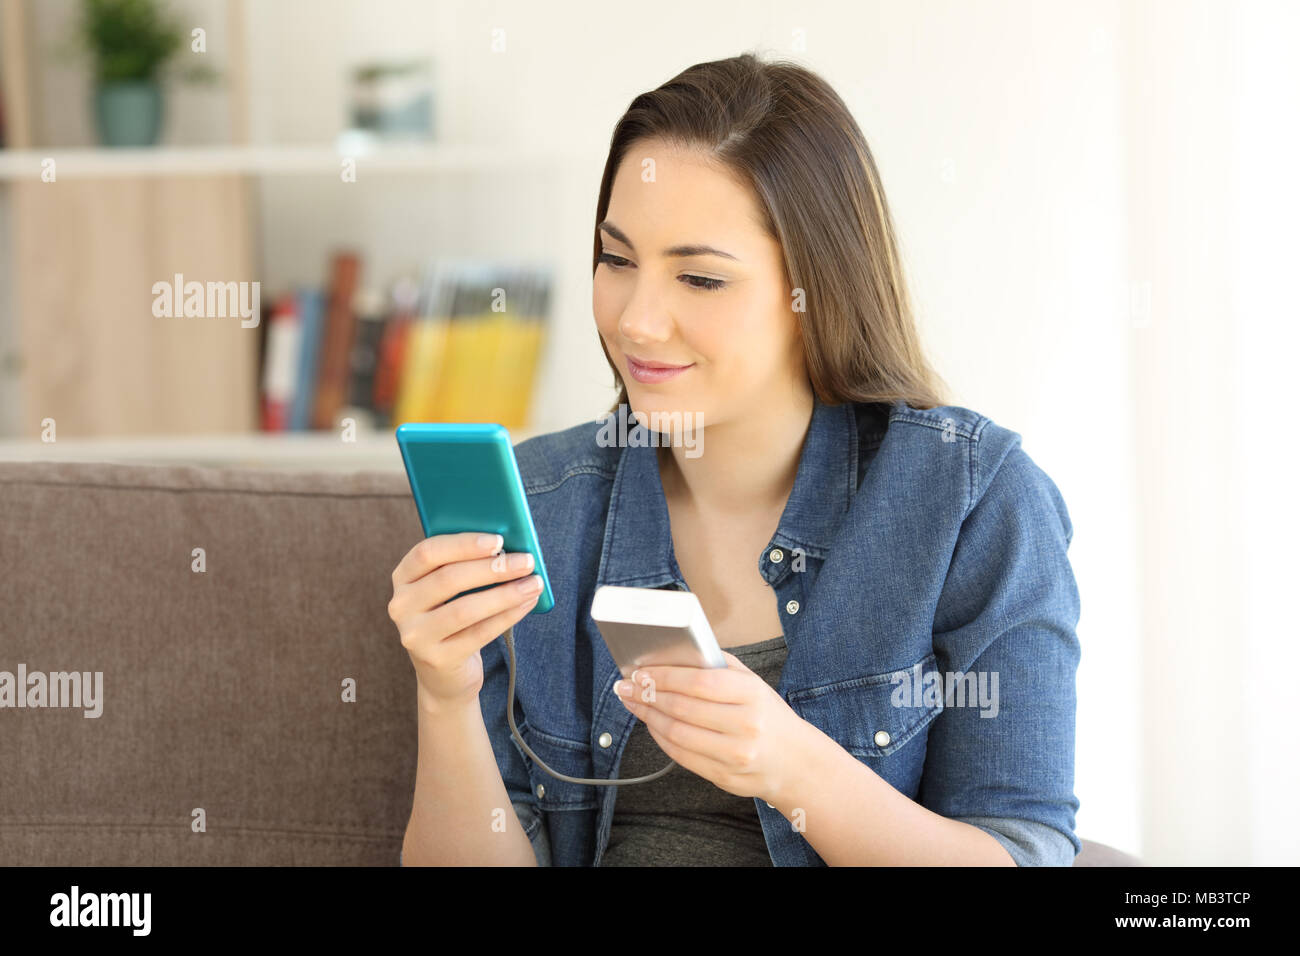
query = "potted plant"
x=130 y=41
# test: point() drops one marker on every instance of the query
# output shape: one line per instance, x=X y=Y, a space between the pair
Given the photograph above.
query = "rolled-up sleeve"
x=510 y=758
x=1027 y=842
x=1007 y=615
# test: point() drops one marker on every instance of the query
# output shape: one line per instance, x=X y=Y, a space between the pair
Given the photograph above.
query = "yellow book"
x=469 y=363
x=461 y=371
x=425 y=354
x=519 y=369
x=426 y=344
x=497 y=329
x=472 y=385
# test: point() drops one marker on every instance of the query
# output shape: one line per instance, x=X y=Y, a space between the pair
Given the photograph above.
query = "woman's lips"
x=651 y=376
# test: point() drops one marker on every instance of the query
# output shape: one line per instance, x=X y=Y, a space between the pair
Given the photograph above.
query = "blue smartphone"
x=465 y=478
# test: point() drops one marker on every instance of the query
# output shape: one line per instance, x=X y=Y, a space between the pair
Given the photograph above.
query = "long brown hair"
x=782 y=129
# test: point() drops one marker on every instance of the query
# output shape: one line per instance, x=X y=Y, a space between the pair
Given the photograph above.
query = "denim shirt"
x=915 y=547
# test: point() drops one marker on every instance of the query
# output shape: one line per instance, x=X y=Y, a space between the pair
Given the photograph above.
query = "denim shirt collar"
x=638 y=550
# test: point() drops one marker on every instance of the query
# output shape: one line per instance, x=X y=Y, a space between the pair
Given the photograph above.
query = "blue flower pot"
x=129 y=112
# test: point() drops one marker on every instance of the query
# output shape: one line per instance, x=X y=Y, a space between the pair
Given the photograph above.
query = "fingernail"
x=489 y=542
x=530 y=584
x=521 y=562
x=620 y=687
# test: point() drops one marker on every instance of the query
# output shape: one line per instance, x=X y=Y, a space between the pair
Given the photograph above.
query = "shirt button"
x=882 y=738
x=776 y=555
x=792 y=607
x=541 y=790
x=605 y=740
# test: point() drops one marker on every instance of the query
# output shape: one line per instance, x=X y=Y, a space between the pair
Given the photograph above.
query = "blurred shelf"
x=25 y=164
x=372 y=451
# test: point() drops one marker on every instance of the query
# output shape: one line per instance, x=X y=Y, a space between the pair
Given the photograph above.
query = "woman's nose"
x=644 y=318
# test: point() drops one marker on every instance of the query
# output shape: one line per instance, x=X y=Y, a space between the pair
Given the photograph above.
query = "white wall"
x=1267 y=339
x=1182 y=94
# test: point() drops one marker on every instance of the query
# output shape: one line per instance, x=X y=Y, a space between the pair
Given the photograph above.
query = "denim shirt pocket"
x=873 y=716
x=569 y=757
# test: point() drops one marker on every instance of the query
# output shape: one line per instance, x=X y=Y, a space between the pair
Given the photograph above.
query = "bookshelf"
x=372 y=451
x=76 y=259
x=24 y=165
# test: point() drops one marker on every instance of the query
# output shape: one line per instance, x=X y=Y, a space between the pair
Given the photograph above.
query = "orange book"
x=392 y=348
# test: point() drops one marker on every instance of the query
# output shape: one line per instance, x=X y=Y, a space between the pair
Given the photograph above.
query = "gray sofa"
x=256 y=706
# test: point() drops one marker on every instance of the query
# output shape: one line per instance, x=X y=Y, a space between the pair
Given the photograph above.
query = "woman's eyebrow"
x=688 y=250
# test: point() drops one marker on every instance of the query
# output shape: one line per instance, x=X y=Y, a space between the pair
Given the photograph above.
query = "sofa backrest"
x=228 y=611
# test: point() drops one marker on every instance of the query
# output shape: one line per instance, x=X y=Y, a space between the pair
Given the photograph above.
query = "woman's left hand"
x=725 y=724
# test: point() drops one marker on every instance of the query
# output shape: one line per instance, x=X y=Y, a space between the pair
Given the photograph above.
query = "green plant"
x=369 y=72
x=132 y=40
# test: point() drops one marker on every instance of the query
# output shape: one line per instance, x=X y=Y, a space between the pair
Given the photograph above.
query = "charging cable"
x=510 y=716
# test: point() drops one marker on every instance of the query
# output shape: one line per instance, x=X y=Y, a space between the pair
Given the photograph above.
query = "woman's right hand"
x=444 y=636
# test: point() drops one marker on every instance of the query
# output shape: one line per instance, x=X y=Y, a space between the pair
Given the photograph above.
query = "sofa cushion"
x=222 y=688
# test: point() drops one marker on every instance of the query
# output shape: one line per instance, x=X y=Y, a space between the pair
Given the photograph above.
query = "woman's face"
x=660 y=295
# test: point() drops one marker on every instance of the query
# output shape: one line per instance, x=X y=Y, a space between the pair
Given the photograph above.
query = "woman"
x=888 y=573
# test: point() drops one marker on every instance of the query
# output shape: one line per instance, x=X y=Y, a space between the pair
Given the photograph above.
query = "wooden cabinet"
x=86 y=254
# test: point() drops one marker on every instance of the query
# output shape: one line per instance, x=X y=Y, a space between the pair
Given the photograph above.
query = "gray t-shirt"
x=681 y=819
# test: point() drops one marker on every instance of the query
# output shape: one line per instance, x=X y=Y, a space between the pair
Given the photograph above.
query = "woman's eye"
x=704 y=283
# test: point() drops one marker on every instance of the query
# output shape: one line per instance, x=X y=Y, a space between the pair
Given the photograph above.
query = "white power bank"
x=647 y=626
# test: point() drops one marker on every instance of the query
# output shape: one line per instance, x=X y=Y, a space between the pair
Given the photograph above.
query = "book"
x=310 y=304
x=425 y=350
x=460 y=344
x=392 y=348
x=336 y=344
x=472 y=353
x=370 y=309
x=279 y=370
